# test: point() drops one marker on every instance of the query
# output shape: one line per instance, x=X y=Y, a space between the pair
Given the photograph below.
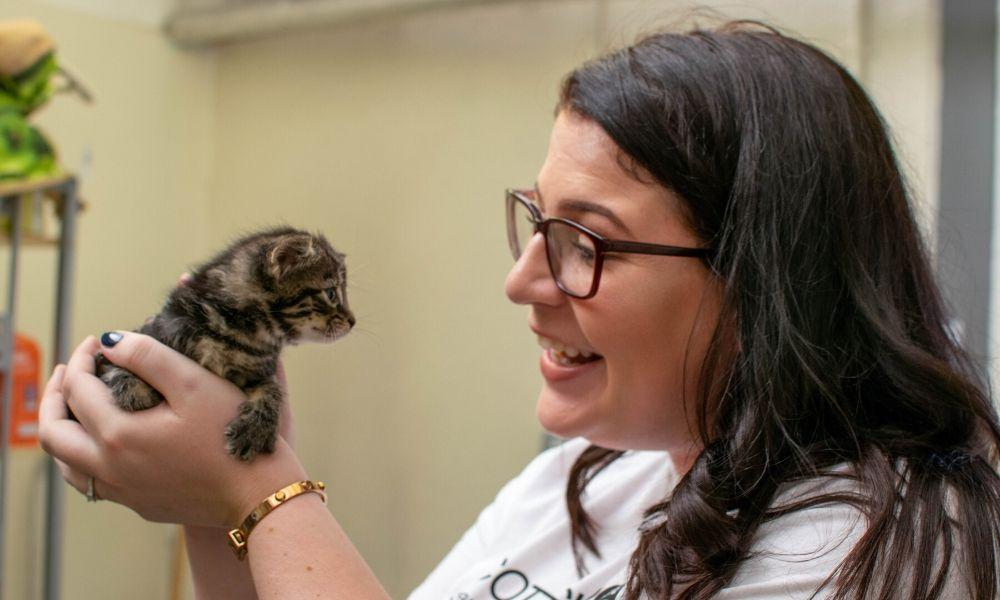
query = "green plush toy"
x=24 y=151
x=27 y=69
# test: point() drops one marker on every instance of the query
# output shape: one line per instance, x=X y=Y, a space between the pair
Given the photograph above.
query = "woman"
x=743 y=338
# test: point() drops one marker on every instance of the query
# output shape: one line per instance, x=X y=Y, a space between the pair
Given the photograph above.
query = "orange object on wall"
x=25 y=398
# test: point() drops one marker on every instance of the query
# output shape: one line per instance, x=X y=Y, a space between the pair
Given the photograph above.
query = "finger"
x=90 y=401
x=53 y=421
x=64 y=469
x=79 y=480
x=285 y=428
x=68 y=442
x=82 y=358
x=83 y=393
x=69 y=475
x=282 y=379
x=170 y=372
x=52 y=407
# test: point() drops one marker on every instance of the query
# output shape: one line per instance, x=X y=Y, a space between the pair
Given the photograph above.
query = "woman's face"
x=650 y=321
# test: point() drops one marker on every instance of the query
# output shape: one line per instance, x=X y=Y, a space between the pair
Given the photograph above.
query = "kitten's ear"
x=290 y=253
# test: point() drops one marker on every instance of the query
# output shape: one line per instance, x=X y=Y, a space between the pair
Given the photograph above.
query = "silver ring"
x=91 y=496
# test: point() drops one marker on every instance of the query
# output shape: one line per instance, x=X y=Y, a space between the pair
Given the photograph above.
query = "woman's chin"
x=561 y=416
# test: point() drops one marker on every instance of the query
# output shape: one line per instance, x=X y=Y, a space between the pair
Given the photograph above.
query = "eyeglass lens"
x=520 y=226
x=570 y=252
x=571 y=255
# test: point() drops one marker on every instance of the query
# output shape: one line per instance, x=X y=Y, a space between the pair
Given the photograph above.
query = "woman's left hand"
x=167 y=463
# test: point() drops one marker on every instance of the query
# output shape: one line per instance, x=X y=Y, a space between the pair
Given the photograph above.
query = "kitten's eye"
x=331 y=294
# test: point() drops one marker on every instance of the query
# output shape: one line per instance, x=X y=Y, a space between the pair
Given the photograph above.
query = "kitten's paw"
x=102 y=365
x=130 y=392
x=248 y=435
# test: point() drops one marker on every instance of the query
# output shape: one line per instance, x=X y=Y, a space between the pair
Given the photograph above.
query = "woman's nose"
x=530 y=281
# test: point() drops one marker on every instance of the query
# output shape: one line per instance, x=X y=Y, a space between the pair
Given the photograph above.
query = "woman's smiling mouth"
x=565 y=355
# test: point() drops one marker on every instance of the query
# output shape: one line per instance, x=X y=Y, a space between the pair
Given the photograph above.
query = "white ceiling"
x=206 y=22
x=236 y=18
x=147 y=12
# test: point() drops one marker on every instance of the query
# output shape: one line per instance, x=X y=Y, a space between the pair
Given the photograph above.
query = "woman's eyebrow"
x=538 y=196
x=583 y=206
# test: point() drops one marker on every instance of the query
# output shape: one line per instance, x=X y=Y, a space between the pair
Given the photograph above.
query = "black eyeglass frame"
x=602 y=245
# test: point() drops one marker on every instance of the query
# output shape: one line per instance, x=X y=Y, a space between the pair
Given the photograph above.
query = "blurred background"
x=394 y=126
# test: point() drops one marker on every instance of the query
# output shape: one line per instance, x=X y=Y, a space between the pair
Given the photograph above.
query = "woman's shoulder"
x=526 y=528
x=556 y=459
x=816 y=523
x=552 y=467
x=794 y=553
x=614 y=496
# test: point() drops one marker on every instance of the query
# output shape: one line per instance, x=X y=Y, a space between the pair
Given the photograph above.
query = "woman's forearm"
x=215 y=572
x=300 y=551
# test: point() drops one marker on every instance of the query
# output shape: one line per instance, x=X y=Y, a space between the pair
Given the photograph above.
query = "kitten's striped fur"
x=233 y=316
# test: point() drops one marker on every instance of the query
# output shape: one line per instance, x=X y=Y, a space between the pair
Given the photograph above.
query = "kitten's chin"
x=318 y=336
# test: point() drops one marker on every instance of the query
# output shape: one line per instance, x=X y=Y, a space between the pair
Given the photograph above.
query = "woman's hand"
x=285 y=428
x=167 y=463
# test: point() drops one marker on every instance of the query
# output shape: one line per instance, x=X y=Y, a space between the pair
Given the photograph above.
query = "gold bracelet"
x=238 y=537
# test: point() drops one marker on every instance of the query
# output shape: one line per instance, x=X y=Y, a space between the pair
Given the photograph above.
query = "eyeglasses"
x=575 y=254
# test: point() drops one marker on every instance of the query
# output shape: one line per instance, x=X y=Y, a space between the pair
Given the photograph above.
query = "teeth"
x=561 y=352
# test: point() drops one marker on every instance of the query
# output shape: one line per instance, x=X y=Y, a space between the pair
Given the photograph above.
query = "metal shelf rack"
x=63 y=192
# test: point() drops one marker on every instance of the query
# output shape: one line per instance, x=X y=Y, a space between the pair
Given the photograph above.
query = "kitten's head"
x=305 y=281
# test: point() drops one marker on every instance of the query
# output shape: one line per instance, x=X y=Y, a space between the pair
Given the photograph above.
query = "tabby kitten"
x=233 y=316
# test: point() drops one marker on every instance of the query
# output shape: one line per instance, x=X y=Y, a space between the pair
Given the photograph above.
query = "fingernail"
x=110 y=338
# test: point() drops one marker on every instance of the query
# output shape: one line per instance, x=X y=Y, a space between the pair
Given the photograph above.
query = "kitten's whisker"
x=369 y=333
x=354 y=285
x=356 y=268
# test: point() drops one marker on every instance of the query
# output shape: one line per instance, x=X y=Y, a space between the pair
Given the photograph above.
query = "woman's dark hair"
x=833 y=345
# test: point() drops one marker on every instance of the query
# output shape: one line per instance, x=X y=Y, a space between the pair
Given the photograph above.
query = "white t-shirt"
x=519 y=547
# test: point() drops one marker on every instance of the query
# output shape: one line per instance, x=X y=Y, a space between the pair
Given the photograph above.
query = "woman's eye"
x=585 y=252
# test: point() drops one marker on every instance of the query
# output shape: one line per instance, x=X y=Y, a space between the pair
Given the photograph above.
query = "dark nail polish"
x=110 y=338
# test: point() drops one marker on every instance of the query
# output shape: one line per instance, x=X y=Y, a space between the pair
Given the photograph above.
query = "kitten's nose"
x=351 y=320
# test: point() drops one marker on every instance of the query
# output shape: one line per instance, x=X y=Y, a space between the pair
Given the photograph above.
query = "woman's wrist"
x=238 y=536
x=267 y=474
x=270 y=524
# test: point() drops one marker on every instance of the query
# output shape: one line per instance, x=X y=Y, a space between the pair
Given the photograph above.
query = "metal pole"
x=55 y=490
x=12 y=205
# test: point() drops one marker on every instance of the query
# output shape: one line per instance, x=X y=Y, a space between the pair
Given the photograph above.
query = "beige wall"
x=151 y=136
x=396 y=138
